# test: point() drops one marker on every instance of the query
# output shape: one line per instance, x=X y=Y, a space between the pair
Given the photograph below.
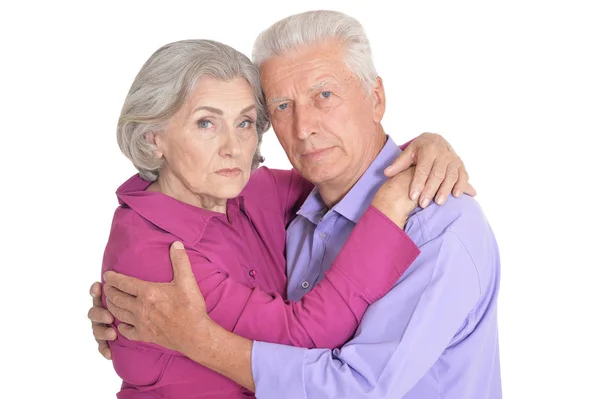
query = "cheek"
x=250 y=147
x=197 y=155
x=282 y=129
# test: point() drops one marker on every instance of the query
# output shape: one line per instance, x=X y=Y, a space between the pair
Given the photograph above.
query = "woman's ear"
x=155 y=139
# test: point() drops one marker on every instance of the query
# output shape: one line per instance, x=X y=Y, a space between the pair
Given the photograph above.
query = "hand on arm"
x=154 y=310
x=439 y=170
x=173 y=315
x=392 y=198
x=101 y=319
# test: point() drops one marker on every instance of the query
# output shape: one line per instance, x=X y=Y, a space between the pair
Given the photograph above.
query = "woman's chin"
x=229 y=191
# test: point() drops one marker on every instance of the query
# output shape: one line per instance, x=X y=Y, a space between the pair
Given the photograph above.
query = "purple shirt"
x=239 y=264
x=434 y=335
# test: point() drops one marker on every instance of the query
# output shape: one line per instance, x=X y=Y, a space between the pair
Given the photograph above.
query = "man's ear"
x=378 y=97
x=155 y=139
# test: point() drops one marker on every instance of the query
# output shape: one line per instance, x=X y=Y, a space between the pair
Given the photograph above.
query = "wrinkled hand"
x=393 y=199
x=171 y=315
x=438 y=170
x=101 y=320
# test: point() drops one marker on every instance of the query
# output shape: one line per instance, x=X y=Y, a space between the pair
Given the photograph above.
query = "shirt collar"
x=355 y=203
x=187 y=222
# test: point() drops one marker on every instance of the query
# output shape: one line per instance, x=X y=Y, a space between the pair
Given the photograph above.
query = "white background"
x=513 y=85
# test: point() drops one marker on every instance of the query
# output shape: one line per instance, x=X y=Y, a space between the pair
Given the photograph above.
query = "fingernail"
x=414 y=195
x=177 y=245
x=425 y=202
x=457 y=193
x=440 y=200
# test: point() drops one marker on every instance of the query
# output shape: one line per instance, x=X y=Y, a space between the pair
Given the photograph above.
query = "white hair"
x=162 y=86
x=313 y=27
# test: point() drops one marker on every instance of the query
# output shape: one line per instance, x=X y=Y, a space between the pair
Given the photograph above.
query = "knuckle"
x=465 y=174
x=150 y=296
x=117 y=301
x=438 y=173
x=452 y=174
x=100 y=332
x=436 y=137
x=423 y=170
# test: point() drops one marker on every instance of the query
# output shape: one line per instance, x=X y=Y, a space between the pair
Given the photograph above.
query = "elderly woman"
x=191 y=124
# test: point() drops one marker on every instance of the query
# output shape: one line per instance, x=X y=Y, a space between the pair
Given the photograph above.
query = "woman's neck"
x=175 y=188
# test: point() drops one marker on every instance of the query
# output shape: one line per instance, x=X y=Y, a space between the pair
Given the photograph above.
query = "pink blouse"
x=240 y=268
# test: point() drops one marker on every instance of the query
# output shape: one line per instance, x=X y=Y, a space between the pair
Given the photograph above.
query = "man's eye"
x=283 y=106
x=325 y=94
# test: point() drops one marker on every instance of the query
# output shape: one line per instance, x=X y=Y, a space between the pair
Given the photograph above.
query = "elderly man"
x=433 y=335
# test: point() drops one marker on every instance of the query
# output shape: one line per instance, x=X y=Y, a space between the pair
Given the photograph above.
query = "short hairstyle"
x=162 y=86
x=314 y=27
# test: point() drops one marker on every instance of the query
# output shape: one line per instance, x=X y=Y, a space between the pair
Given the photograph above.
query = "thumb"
x=403 y=162
x=182 y=268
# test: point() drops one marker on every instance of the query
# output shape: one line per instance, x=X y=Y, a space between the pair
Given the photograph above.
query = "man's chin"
x=321 y=173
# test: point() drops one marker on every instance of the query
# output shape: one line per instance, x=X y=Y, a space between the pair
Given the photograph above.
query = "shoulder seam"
x=472 y=260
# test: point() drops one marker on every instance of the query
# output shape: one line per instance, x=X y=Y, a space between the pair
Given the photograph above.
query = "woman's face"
x=209 y=143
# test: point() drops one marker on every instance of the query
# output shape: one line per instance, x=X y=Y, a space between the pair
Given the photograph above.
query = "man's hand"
x=172 y=315
x=392 y=198
x=438 y=170
x=101 y=318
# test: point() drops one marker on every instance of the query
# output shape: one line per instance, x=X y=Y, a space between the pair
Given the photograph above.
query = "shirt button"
x=322 y=235
x=305 y=284
x=252 y=273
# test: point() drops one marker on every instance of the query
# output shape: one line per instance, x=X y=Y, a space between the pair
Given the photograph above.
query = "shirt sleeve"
x=403 y=146
x=398 y=341
x=326 y=317
x=329 y=314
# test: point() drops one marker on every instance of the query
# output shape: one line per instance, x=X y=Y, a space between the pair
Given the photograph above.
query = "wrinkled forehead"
x=304 y=73
x=231 y=95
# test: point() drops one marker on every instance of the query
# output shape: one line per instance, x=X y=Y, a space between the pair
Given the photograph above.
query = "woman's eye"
x=246 y=124
x=204 y=124
x=283 y=106
x=325 y=94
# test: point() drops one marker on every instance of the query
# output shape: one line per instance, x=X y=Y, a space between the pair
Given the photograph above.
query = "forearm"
x=223 y=352
x=328 y=315
x=401 y=337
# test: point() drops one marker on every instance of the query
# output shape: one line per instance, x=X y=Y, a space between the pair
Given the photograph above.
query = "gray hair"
x=162 y=86
x=316 y=26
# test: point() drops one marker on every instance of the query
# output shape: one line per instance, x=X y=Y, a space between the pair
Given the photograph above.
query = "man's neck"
x=333 y=191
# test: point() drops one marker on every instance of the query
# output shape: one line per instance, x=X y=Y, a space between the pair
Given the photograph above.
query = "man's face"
x=323 y=117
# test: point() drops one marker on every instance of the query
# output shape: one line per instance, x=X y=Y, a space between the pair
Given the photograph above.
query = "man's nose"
x=305 y=121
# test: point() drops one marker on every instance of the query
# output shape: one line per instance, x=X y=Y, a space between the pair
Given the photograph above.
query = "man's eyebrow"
x=318 y=85
x=312 y=88
x=277 y=100
x=209 y=109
